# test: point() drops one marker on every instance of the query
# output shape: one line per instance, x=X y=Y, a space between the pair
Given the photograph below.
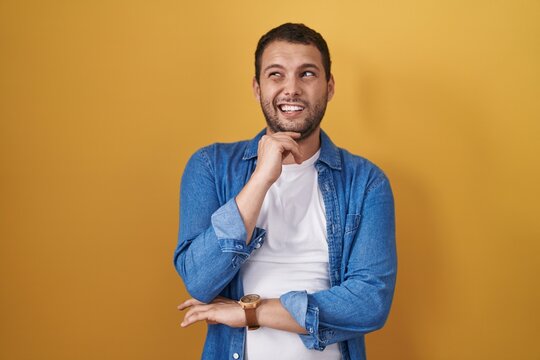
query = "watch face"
x=251 y=298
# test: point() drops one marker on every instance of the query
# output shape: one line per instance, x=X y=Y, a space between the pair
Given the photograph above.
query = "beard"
x=306 y=126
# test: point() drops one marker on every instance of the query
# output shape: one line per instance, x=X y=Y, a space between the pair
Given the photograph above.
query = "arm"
x=270 y=313
x=215 y=240
x=357 y=306
x=361 y=303
x=212 y=237
x=271 y=153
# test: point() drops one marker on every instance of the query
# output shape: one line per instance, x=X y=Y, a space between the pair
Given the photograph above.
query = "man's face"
x=293 y=89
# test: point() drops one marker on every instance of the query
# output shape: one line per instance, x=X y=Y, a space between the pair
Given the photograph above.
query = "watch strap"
x=251 y=319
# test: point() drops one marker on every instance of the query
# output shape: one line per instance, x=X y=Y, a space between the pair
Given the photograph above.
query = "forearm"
x=337 y=314
x=210 y=253
x=272 y=314
x=272 y=152
x=207 y=264
x=249 y=202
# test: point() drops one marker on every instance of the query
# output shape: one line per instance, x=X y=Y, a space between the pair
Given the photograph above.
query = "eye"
x=274 y=74
x=308 y=74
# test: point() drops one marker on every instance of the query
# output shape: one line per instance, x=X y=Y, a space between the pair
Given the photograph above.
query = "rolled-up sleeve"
x=231 y=232
x=296 y=302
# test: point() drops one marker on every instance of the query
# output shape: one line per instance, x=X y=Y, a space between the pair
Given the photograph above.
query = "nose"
x=292 y=87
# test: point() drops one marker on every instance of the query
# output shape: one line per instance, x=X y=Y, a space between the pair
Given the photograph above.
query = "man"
x=304 y=226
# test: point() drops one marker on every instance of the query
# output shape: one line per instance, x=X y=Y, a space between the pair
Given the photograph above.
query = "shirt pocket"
x=352 y=222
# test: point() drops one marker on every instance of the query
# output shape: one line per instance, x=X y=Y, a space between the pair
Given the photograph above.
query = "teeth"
x=291 y=108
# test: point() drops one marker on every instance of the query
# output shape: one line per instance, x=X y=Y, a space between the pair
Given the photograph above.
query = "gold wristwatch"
x=250 y=303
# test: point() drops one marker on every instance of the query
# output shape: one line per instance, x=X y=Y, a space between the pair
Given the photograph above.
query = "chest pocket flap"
x=351 y=223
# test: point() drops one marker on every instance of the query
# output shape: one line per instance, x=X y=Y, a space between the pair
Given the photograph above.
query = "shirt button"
x=235 y=356
x=238 y=246
x=258 y=245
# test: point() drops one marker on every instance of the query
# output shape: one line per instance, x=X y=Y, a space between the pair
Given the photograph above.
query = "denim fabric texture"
x=359 y=209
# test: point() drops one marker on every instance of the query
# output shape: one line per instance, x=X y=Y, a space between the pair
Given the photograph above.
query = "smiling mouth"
x=289 y=109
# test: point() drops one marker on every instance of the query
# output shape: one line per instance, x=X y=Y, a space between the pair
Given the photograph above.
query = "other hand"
x=220 y=311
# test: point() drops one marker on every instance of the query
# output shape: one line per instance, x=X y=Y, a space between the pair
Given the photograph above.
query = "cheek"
x=269 y=91
x=267 y=103
x=268 y=98
x=269 y=106
x=320 y=96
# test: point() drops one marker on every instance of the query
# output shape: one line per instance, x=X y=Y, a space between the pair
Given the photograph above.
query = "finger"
x=277 y=138
x=188 y=319
x=284 y=137
x=291 y=146
x=188 y=303
x=197 y=316
x=283 y=144
x=298 y=156
x=183 y=305
x=195 y=309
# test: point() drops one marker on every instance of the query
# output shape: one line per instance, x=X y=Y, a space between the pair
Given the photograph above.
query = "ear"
x=256 y=89
x=331 y=86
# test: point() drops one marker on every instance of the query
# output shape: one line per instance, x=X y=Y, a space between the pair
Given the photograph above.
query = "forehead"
x=290 y=54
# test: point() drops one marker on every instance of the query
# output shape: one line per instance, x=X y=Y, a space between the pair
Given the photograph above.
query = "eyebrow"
x=303 y=66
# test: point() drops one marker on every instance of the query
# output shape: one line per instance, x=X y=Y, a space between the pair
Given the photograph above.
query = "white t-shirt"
x=294 y=256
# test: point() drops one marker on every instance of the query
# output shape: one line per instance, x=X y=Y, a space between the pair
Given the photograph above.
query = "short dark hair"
x=297 y=34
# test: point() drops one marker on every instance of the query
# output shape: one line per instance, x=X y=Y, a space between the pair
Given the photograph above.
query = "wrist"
x=261 y=311
x=249 y=304
x=261 y=181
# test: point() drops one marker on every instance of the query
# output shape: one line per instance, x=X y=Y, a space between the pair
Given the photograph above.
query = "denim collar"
x=329 y=152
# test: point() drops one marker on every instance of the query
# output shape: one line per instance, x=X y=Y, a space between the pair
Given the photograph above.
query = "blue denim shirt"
x=361 y=246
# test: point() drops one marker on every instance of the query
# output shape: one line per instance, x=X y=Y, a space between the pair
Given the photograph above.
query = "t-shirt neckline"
x=304 y=164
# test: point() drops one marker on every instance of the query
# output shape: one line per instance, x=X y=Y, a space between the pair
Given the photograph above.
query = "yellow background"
x=102 y=102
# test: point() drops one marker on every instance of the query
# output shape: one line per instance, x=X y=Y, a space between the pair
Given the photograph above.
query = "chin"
x=307 y=133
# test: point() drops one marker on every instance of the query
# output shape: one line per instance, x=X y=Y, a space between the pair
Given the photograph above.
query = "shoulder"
x=230 y=153
x=236 y=148
x=354 y=171
x=360 y=169
x=213 y=155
